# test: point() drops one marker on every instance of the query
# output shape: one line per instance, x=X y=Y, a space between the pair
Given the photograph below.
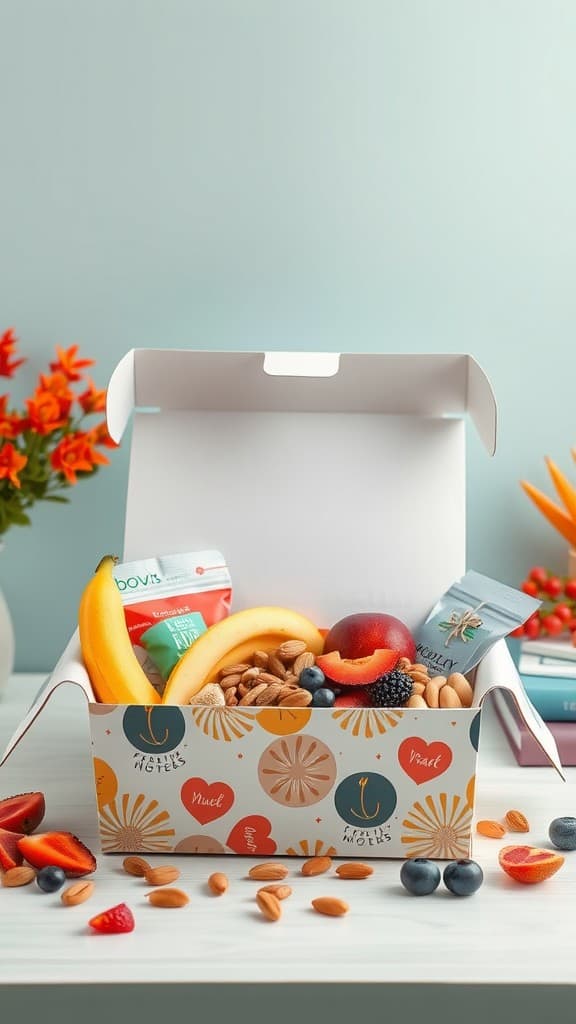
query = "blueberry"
x=323 y=698
x=463 y=877
x=50 y=879
x=420 y=876
x=312 y=678
x=562 y=832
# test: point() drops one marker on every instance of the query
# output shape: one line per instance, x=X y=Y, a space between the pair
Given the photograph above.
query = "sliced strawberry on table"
x=22 y=813
x=114 y=921
x=58 y=848
x=10 y=855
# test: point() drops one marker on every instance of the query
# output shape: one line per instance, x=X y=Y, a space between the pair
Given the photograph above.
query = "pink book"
x=523 y=745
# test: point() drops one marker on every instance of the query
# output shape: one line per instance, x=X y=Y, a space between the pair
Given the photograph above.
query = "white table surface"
x=505 y=934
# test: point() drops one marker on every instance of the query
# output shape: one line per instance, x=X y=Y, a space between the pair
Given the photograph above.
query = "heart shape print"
x=424 y=761
x=252 y=835
x=206 y=801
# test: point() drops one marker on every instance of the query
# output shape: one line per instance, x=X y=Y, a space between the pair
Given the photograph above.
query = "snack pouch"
x=169 y=601
x=469 y=618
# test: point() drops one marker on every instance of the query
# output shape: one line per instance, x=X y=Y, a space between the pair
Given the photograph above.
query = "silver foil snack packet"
x=469 y=618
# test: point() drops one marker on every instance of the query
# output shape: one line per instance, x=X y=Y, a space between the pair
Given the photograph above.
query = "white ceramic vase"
x=6 y=641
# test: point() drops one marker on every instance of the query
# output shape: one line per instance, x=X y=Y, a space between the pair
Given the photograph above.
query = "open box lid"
x=332 y=483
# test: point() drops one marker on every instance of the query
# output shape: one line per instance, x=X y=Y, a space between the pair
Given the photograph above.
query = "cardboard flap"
x=70 y=669
x=497 y=671
x=419 y=385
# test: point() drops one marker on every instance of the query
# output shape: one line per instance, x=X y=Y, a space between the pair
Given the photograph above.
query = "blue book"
x=554 y=697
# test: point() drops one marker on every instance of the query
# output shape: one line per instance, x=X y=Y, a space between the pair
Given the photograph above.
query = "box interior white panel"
x=328 y=514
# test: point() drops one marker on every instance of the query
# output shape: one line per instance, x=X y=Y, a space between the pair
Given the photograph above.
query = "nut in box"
x=366 y=751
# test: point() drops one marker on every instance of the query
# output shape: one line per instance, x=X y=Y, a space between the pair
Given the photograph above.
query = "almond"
x=77 y=893
x=276 y=666
x=227 y=681
x=252 y=695
x=281 y=892
x=250 y=674
x=316 y=866
x=354 y=870
x=460 y=684
x=269 y=696
x=432 y=695
x=419 y=677
x=416 y=701
x=298 y=698
x=18 y=876
x=304 y=660
x=268 y=872
x=448 y=698
x=136 y=866
x=291 y=679
x=162 y=875
x=231 y=698
x=270 y=680
x=218 y=883
x=261 y=659
x=491 y=829
x=167 y=898
x=290 y=649
x=233 y=670
x=516 y=821
x=331 y=906
x=269 y=905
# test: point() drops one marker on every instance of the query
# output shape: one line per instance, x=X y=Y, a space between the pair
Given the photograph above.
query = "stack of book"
x=548 y=671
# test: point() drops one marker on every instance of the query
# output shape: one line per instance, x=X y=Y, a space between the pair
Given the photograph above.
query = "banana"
x=115 y=672
x=233 y=638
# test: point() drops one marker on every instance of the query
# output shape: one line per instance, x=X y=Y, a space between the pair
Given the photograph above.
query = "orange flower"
x=7 y=349
x=93 y=399
x=46 y=412
x=68 y=364
x=99 y=435
x=75 y=454
x=11 y=462
x=10 y=423
x=56 y=384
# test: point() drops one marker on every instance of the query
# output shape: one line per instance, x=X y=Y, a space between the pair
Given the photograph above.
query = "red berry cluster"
x=557 y=613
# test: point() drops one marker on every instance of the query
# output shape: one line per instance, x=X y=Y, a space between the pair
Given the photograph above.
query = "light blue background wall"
x=361 y=175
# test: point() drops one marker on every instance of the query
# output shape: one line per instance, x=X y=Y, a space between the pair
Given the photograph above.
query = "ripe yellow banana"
x=115 y=672
x=231 y=640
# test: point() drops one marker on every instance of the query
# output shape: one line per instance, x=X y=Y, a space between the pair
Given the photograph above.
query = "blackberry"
x=391 y=690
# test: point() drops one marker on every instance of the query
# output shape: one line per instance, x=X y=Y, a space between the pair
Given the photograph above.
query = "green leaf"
x=56 y=497
x=19 y=517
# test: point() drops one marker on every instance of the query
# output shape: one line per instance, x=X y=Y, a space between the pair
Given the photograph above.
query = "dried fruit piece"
x=59 y=848
x=22 y=875
x=10 y=855
x=162 y=875
x=460 y=684
x=22 y=813
x=316 y=866
x=114 y=921
x=331 y=906
x=448 y=698
x=516 y=821
x=269 y=905
x=136 y=866
x=169 y=898
x=281 y=892
x=268 y=872
x=528 y=864
x=218 y=883
x=491 y=829
x=77 y=893
x=354 y=870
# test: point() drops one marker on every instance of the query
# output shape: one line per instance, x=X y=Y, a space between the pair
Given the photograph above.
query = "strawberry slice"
x=58 y=848
x=22 y=813
x=114 y=921
x=10 y=856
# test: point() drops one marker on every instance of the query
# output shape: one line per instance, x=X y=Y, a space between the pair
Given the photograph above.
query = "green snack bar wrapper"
x=168 y=640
